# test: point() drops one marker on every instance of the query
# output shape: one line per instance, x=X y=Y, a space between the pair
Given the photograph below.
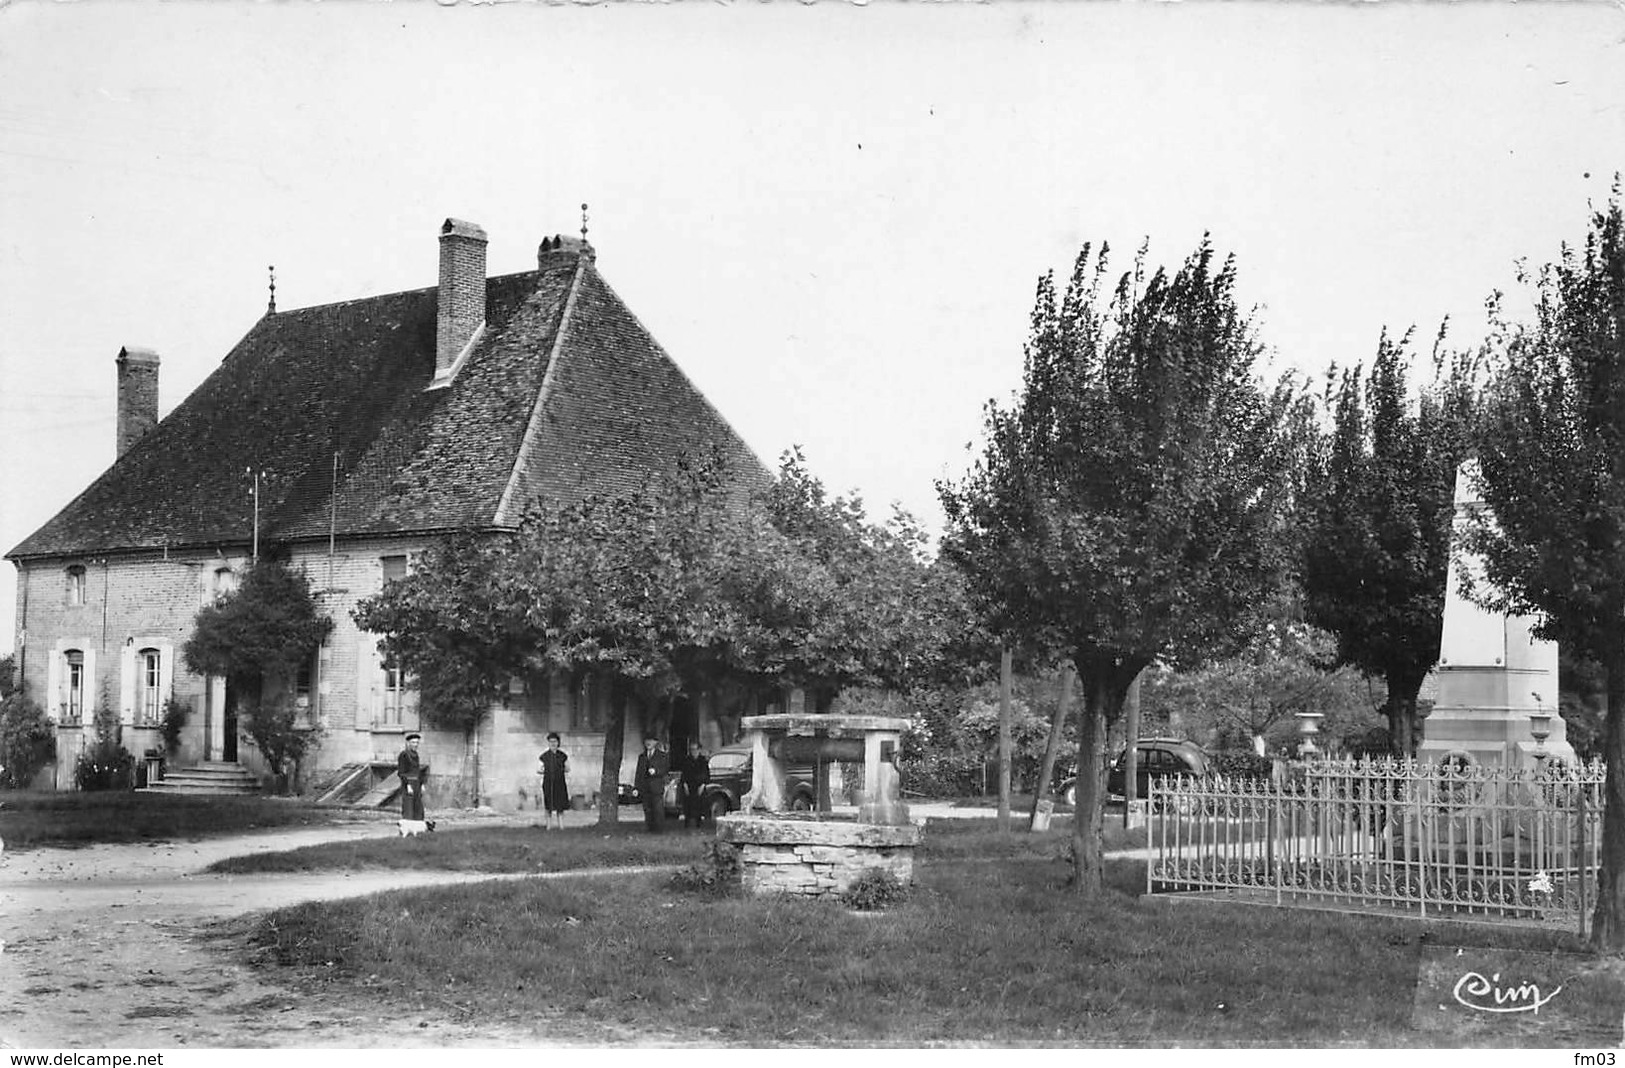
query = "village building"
x=354 y=435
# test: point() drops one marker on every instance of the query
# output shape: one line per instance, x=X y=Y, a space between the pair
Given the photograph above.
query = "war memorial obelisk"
x=1492 y=673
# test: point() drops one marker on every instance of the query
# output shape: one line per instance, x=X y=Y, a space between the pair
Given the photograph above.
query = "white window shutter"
x=324 y=669
x=369 y=699
x=93 y=691
x=55 y=678
x=126 y=689
x=166 y=676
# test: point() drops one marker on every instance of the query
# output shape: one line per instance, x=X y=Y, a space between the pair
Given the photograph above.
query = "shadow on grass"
x=497 y=850
x=70 y=819
x=1002 y=953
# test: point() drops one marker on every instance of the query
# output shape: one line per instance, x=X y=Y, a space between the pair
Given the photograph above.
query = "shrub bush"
x=719 y=871
x=27 y=742
x=176 y=713
x=876 y=888
x=106 y=765
x=1240 y=764
x=949 y=775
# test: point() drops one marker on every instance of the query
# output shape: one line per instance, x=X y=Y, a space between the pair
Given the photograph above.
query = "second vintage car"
x=730 y=780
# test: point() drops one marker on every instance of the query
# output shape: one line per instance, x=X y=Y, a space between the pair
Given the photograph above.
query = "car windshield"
x=729 y=762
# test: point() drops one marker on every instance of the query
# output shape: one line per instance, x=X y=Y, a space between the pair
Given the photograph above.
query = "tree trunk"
x=1105 y=683
x=1401 y=711
x=1608 y=921
x=1052 y=748
x=609 y=778
x=1088 y=851
x=1004 y=740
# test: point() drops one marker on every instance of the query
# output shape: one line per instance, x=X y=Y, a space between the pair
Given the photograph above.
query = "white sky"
x=833 y=217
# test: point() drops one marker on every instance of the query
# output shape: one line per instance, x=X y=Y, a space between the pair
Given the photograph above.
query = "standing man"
x=651 y=783
x=696 y=773
x=414 y=773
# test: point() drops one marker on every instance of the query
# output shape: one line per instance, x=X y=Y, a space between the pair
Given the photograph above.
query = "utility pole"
x=1005 y=671
x=254 y=473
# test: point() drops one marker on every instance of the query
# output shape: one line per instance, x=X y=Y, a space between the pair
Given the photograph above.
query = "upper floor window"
x=394 y=568
x=73 y=687
x=76 y=584
x=225 y=581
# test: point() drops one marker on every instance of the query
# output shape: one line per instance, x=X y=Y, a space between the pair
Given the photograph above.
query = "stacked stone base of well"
x=813 y=857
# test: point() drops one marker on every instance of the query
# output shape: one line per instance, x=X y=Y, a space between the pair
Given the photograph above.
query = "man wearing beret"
x=414 y=773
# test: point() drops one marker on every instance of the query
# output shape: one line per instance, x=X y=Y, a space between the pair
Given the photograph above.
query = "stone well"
x=821 y=853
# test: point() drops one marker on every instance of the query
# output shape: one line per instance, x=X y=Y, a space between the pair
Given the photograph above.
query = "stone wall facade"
x=86 y=627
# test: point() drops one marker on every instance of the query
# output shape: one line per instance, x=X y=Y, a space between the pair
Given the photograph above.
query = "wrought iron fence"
x=1446 y=839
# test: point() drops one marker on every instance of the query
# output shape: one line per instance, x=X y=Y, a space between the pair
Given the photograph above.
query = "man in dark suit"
x=414 y=773
x=696 y=773
x=650 y=778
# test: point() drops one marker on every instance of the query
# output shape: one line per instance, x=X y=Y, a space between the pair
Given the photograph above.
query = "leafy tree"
x=8 y=674
x=264 y=629
x=1287 y=669
x=456 y=626
x=1381 y=502
x=1131 y=504
x=1582 y=703
x=282 y=740
x=849 y=603
x=27 y=740
x=1551 y=468
x=676 y=588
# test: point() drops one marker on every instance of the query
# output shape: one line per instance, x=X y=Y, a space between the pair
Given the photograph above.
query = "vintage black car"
x=1156 y=758
x=730 y=780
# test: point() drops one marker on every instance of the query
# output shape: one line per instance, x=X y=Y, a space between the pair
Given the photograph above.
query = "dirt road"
x=107 y=947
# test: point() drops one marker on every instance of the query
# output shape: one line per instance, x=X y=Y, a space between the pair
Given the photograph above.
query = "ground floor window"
x=149 y=699
x=73 y=686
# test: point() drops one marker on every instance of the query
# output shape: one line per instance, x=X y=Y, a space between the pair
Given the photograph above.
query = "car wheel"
x=1070 y=795
x=717 y=806
x=801 y=803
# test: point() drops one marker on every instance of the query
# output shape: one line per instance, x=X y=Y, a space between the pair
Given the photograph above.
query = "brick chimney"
x=137 y=395
x=559 y=245
x=462 y=293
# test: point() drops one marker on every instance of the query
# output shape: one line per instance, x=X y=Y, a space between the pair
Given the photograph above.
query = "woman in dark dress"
x=555 y=794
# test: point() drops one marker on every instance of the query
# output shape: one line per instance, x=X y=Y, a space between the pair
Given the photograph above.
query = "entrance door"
x=211 y=712
x=228 y=747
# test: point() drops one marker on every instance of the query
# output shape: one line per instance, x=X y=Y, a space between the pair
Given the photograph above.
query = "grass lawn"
x=69 y=818
x=991 y=947
x=505 y=850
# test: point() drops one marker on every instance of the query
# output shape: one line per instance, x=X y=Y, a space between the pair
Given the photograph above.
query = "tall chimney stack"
x=462 y=292
x=137 y=395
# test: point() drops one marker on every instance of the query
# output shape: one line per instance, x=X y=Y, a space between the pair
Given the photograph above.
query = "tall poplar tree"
x=1551 y=463
x=1378 y=519
x=1131 y=503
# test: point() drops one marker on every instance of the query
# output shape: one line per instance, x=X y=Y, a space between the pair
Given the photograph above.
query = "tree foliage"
x=1131 y=504
x=27 y=740
x=266 y=627
x=1378 y=515
x=1287 y=669
x=676 y=588
x=1551 y=469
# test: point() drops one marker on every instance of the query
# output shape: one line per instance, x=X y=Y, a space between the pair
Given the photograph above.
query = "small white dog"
x=412 y=827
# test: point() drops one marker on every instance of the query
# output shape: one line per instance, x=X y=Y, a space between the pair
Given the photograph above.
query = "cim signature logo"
x=1488 y=995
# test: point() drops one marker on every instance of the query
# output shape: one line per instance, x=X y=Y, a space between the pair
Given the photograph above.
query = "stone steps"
x=210 y=777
